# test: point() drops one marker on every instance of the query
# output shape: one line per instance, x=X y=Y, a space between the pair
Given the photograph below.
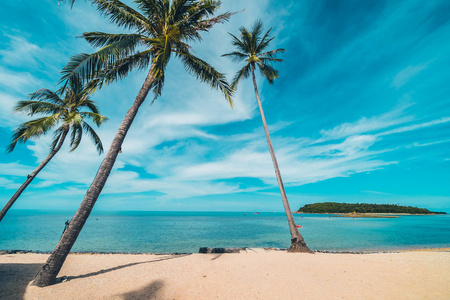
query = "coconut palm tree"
x=251 y=47
x=69 y=114
x=160 y=29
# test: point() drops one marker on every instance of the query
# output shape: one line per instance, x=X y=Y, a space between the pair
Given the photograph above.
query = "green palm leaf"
x=161 y=28
x=251 y=48
x=95 y=138
x=68 y=112
x=206 y=73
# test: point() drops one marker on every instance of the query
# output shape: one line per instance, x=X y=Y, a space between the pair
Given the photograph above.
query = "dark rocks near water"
x=205 y=250
x=22 y=252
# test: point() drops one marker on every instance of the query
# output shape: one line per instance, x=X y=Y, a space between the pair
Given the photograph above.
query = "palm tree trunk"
x=47 y=275
x=297 y=242
x=31 y=176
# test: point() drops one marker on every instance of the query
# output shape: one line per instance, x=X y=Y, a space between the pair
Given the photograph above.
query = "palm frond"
x=45 y=94
x=85 y=66
x=162 y=58
x=272 y=53
x=206 y=25
x=123 y=15
x=89 y=104
x=31 y=129
x=269 y=60
x=76 y=136
x=236 y=56
x=102 y=39
x=241 y=74
x=37 y=107
x=18 y=136
x=40 y=126
x=256 y=34
x=157 y=85
x=95 y=117
x=119 y=69
x=97 y=142
x=57 y=135
x=201 y=10
x=264 y=42
x=153 y=11
x=247 y=40
x=206 y=73
x=67 y=111
x=239 y=44
x=249 y=46
x=269 y=72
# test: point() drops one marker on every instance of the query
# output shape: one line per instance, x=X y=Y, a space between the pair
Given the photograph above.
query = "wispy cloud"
x=356 y=94
x=16 y=81
x=416 y=126
x=406 y=74
x=367 y=125
x=20 y=52
x=8 y=184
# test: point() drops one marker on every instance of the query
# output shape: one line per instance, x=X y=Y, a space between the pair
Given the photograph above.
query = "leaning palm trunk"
x=50 y=270
x=297 y=242
x=32 y=176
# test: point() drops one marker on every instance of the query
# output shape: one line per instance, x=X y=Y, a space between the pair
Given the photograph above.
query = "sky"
x=360 y=112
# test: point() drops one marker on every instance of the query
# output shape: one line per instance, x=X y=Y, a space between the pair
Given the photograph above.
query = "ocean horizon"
x=186 y=232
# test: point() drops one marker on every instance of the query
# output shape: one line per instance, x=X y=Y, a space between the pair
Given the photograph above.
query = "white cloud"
x=17 y=81
x=181 y=171
x=129 y=182
x=181 y=116
x=416 y=126
x=406 y=74
x=7 y=118
x=299 y=164
x=20 y=52
x=15 y=169
x=8 y=184
x=366 y=125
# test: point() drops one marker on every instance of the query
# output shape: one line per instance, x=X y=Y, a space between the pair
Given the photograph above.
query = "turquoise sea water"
x=186 y=232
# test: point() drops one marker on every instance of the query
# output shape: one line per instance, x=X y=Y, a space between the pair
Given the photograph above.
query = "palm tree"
x=252 y=48
x=69 y=113
x=161 y=29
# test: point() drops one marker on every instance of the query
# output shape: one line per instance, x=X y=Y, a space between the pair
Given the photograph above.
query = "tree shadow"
x=14 y=279
x=217 y=256
x=118 y=268
x=151 y=291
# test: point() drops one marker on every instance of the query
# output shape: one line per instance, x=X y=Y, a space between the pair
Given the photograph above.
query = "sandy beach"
x=251 y=274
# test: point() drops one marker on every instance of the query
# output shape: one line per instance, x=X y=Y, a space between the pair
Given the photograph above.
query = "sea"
x=186 y=232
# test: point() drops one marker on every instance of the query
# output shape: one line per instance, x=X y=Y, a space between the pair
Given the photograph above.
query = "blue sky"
x=360 y=112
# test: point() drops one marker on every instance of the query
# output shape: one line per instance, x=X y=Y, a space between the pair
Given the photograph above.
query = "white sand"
x=252 y=275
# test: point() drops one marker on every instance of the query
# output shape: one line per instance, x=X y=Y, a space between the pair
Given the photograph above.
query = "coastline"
x=235 y=250
x=255 y=273
x=367 y=215
x=388 y=214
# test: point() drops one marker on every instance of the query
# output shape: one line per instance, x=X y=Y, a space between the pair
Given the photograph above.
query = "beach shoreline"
x=255 y=273
x=234 y=250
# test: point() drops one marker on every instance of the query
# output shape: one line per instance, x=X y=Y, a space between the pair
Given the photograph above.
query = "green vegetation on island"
x=342 y=208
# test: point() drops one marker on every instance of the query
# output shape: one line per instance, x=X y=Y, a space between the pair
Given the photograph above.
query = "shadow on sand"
x=151 y=291
x=120 y=267
x=14 y=279
x=217 y=256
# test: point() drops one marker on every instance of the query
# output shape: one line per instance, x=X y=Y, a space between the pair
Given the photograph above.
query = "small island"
x=363 y=210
